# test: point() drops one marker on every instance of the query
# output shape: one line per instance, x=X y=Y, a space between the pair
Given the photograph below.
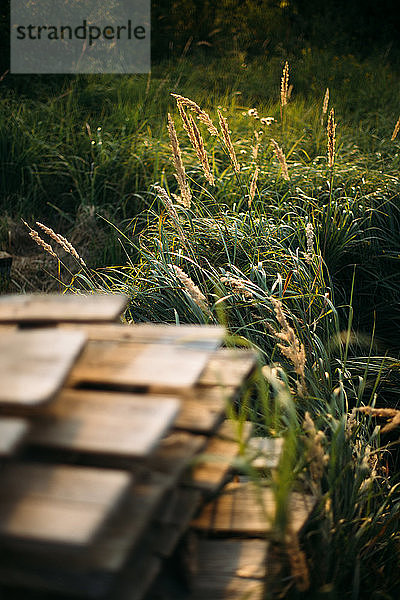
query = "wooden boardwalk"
x=115 y=447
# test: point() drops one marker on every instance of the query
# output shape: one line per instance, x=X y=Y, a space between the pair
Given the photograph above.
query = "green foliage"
x=321 y=311
x=302 y=304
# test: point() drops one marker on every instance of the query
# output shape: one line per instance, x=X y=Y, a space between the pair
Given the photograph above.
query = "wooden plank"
x=213 y=467
x=174 y=519
x=57 y=504
x=124 y=532
x=107 y=423
x=209 y=336
x=92 y=572
x=52 y=308
x=45 y=579
x=230 y=570
x=4 y=328
x=137 y=577
x=12 y=433
x=175 y=453
x=205 y=405
x=228 y=367
x=246 y=509
x=34 y=364
x=203 y=409
x=130 y=366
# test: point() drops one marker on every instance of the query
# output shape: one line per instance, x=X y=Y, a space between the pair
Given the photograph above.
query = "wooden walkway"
x=114 y=444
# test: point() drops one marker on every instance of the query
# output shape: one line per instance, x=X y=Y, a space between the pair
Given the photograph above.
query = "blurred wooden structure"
x=114 y=443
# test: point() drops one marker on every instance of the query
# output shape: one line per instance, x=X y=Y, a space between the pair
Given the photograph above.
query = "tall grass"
x=299 y=261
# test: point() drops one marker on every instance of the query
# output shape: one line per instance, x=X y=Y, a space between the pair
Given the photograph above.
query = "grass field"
x=294 y=249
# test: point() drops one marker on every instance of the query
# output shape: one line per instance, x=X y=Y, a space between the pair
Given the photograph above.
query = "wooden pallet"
x=107 y=464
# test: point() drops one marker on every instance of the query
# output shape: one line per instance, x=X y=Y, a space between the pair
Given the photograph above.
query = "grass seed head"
x=291 y=347
x=326 y=102
x=62 y=241
x=237 y=284
x=396 y=130
x=201 y=151
x=186 y=196
x=285 y=84
x=40 y=242
x=227 y=140
x=315 y=454
x=203 y=116
x=170 y=208
x=310 y=242
x=253 y=186
x=191 y=288
x=331 y=130
x=282 y=159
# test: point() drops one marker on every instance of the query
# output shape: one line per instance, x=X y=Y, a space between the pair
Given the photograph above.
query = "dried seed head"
x=197 y=142
x=191 y=288
x=203 y=116
x=62 y=241
x=292 y=348
x=228 y=142
x=36 y=237
x=254 y=149
x=170 y=208
x=391 y=414
x=285 y=84
x=180 y=174
x=253 y=187
x=315 y=455
x=237 y=284
x=326 y=102
x=201 y=151
x=310 y=242
x=396 y=130
x=331 y=130
x=282 y=159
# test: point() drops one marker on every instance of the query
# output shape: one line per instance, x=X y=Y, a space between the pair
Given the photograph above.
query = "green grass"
x=340 y=299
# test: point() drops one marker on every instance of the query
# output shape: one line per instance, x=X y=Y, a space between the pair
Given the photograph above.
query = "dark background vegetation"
x=267 y=27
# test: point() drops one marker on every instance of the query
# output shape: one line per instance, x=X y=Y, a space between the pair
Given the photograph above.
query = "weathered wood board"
x=230 y=570
x=205 y=336
x=175 y=453
x=225 y=514
x=34 y=364
x=228 y=367
x=174 y=519
x=59 y=505
x=214 y=465
x=138 y=575
x=95 y=567
x=107 y=423
x=203 y=409
x=132 y=366
x=12 y=432
x=55 y=308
